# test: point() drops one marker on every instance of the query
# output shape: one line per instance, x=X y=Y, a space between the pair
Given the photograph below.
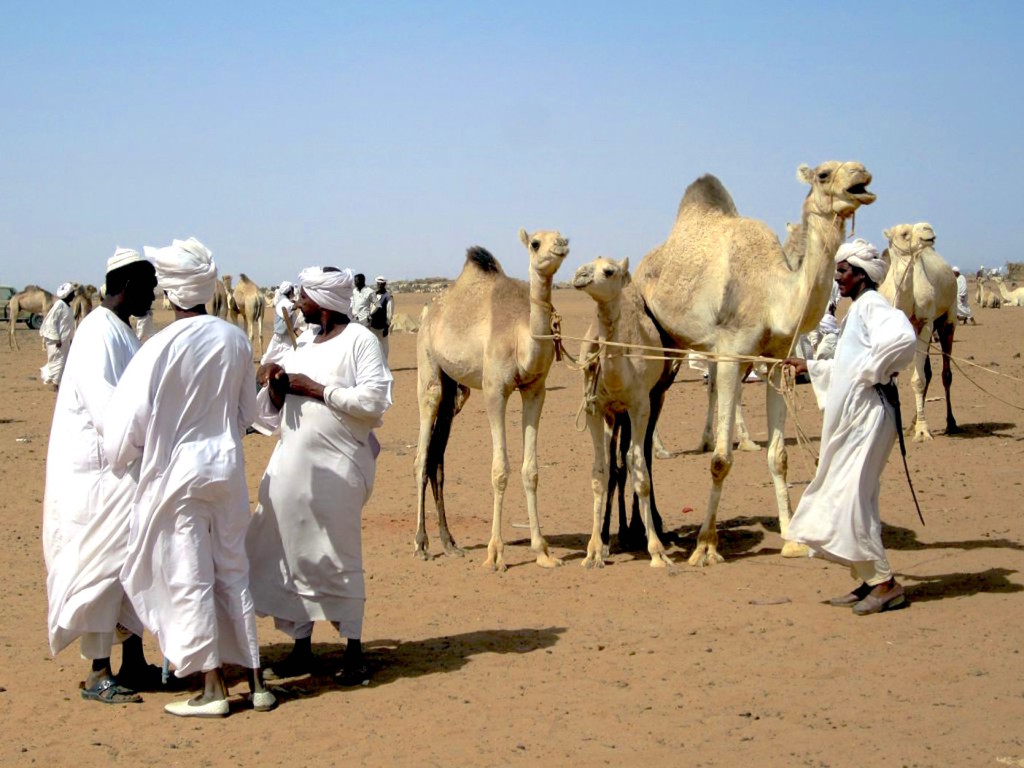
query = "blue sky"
x=390 y=136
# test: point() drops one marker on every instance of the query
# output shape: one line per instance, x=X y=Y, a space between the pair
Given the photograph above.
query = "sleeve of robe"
x=893 y=343
x=127 y=416
x=267 y=418
x=820 y=373
x=371 y=395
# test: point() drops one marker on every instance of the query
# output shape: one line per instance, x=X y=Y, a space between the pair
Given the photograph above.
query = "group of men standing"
x=146 y=509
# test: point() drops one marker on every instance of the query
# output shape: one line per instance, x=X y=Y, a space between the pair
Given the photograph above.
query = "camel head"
x=547 y=249
x=923 y=236
x=226 y=279
x=901 y=239
x=603 y=279
x=837 y=188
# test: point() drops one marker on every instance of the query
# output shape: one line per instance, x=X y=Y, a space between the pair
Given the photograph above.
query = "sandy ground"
x=728 y=665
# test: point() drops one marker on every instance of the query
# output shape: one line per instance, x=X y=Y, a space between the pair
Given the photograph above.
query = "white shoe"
x=263 y=701
x=189 y=708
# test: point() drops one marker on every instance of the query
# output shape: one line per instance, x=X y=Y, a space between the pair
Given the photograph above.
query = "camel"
x=34 y=300
x=614 y=383
x=480 y=335
x=247 y=303
x=987 y=294
x=85 y=298
x=1014 y=298
x=721 y=284
x=218 y=305
x=921 y=284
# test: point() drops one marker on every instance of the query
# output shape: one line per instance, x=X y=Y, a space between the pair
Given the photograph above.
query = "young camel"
x=480 y=335
x=615 y=383
x=720 y=283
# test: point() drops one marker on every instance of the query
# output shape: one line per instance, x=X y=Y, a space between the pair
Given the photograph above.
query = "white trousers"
x=300 y=630
x=871 y=572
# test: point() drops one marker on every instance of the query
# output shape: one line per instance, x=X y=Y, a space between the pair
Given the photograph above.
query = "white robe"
x=963 y=308
x=85 y=508
x=362 y=298
x=145 y=326
x=180 y=410
x=304 y=541
x=280 y=343
x=58 y=326
x=838 y=514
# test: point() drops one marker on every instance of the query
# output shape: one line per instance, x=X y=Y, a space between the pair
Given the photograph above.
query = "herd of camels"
x=244 y=301
x=721 y=284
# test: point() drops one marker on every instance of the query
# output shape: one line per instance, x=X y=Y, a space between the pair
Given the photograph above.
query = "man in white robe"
x=963 y=307
x=178 y=416
x=145 y=326
x=57 y=330
x=284 y=337
x=85 y=508
x=304 y=541
x=382 y=314
x=838 y=515
x=362 y=299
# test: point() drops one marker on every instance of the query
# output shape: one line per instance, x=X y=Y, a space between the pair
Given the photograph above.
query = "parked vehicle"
x=30 y=319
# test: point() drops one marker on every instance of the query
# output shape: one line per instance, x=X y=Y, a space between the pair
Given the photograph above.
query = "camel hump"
x=482 y=259
x=705 y=195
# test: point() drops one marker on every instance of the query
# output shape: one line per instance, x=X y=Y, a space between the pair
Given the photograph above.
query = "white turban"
x=122 y=258
x=957 y=270
x=65 y=289
x=861 y=253
x=285 y=288
x=330 y=290
x=185 y=270
x=828 y=324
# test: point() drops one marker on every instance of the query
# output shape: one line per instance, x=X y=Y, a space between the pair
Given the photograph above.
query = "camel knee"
x=778 y=459
x=499 y=477
x=720 y=466
x=530 y=476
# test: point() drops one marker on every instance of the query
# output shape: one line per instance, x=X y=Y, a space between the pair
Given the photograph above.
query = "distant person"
x=305 y=540
x=362 y=298
x=86 y=509
x=145 y=326
x=176 y=419
x=57 y=330
x=828 y=337
x=284 y=338
x=838 y=515
x=963 y=308
x=382 y=311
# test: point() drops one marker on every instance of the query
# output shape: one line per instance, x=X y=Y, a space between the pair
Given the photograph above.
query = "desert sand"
x=737 y=664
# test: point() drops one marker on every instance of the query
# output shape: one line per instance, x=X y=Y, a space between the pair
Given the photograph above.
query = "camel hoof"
x=662 y=454
x=454 y=551
x=422 y=554
x=592 y=562
x=496 y=566
x=606 y=551
x=954 y=430
x=544 y=560
x=922 y=436
x=748 y=445
x=705 y=557
x=793 y=549
x=660 y=560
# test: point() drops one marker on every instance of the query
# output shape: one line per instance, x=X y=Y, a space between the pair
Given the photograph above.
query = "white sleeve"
x=820 y=373
x=127 y=416
x=371 y=395
x=893 y=343
x=267 y=419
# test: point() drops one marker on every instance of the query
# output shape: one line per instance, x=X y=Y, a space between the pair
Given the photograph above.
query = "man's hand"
x=302 y=385
x=59 y=343
x=798 y=364
x=266 y=372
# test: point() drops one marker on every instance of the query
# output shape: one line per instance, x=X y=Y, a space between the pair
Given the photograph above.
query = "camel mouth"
x=860 y=193
x=582 y=281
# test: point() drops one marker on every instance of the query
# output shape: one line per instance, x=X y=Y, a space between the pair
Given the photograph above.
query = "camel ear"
x=887 y=234
x=805 y=173
x=524 y=237
x=624 y=265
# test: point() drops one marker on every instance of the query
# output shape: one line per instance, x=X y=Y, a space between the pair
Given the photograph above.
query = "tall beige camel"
x=721 y=284
x=616 y=383
x=1014 y=298
x=987 y=294
x=85 y=299
x=249 y=304
x=480 y=335
x=33 y=299
x=922 y=285
x=218 y=305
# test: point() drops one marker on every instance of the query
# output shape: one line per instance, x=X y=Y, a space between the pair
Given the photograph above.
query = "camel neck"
x=608 y=313
x=824 y=233
x=540 y=304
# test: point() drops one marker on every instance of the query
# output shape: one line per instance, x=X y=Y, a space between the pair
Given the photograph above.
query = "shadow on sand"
x=983 y=429
x=391 y=660
x=949 y=585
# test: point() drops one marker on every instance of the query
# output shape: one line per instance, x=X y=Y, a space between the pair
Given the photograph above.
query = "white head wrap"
x=828 y=324
x=65 y=289
x=381 y=279
x=861 y=253
x=957 y=270
x=330 y=290
x=185 y=270
x=122 y=258
x=285 y=288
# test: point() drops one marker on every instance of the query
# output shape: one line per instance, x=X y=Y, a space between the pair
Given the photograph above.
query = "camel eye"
x=608 y=271
x=535 y=245
x=823 y=176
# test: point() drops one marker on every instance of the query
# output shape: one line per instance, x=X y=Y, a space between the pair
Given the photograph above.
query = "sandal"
x=352 y=675
x=107 y=691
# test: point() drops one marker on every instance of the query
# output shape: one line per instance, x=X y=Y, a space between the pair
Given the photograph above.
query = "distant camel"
x=33 y=299
x=247 y=302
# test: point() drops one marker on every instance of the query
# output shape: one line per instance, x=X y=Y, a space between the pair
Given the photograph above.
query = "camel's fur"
x=921 y=284
x=85 y=299
x=480 y=335
x=987 y=294
x=218 y=305
x=247 y=302
x=33 y=299
x=1010 y=298
x=721 y=283
x=616 y=383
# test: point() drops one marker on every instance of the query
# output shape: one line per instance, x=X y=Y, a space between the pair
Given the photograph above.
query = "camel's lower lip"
x=864 y=198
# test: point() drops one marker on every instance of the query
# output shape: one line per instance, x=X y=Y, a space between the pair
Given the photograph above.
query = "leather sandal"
x=894 y=598
x=845 y=601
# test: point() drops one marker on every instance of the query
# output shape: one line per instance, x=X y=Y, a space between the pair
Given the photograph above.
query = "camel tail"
x=482 y=259
x=707 y=194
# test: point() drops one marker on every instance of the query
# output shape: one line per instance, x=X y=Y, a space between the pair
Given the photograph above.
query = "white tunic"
x=305 y=541
x=838 y=514
x=85 y=508
x=58 y=326
x=963 y=308
x=280 y=343
x=180 y=410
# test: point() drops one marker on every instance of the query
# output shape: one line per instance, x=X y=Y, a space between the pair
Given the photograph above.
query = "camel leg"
x=616 y=482
x=533 y=404
x=429 y=398
x=778 y=459
x=12 y=340
x=637 y=464
x=743 y=441
x=728 y=380
x=602 y=438
x=707 y=438
x=497 y=404
x=919 y=381
x=435 y=459
x=946 y=332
